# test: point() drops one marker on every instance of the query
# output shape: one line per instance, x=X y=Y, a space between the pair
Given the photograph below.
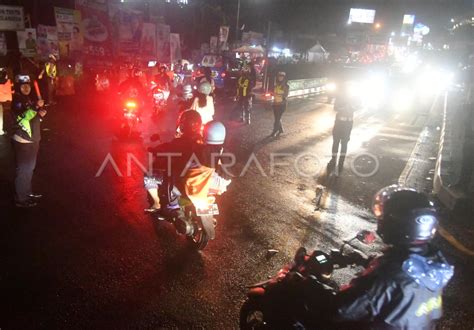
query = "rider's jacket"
x=400 y=290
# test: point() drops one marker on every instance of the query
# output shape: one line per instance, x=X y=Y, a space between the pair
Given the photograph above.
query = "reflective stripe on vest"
x=51 y=70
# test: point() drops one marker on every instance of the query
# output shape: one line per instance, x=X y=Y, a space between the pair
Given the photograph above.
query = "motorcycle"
x=282 y=301
x=130 y=118
x=160 y=97
x=195 y=218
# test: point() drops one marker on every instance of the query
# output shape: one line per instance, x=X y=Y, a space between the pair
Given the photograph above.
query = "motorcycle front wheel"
x=252 y=315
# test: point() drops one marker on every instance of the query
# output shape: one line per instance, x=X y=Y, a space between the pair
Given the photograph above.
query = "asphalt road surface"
x=88 y=256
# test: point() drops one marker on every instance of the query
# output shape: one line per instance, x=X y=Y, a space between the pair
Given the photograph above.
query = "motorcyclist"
x=162 y=79
x=161 y=184
x=193 y=171
x=204 y=103
x=403 y=288
x=244 y=95
x=132 y=87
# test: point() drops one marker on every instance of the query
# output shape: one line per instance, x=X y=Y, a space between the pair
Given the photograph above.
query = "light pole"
x=237 y=21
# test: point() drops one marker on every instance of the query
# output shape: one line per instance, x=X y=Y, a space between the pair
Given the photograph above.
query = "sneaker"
x=26 y=204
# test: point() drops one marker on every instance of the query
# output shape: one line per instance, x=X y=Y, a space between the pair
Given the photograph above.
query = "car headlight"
x=331 y=87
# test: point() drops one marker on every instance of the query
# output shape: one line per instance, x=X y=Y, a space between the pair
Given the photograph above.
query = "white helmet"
x=205 y=88
x=214 y=133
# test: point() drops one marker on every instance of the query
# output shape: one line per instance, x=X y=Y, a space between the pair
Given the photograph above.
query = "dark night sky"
x=198 y=22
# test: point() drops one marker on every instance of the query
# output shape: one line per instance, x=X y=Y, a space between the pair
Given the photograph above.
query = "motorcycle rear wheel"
x=200 y=237
x=252 y=316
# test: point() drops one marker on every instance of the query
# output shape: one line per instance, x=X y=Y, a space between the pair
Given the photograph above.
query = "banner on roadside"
x=27 y=42
x=68 y=23
x=47 y=41
x=127 y=26
x=148 y=41
x=11 y=18
x=175 y=47
x=163 y=42
x=95 y=28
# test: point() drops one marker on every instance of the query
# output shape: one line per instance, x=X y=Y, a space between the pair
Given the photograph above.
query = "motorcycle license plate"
x=210 y=210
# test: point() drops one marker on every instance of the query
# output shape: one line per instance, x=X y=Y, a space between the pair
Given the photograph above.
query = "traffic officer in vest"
x=5 y=94
x=244 y=95
x=50 y=72
x=280 y=95
x=341 y=132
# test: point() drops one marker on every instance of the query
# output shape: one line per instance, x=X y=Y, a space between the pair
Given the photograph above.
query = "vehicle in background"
x=224 y=70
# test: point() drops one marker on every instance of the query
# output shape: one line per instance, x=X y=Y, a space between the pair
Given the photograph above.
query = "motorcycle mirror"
x=366 y=236
x=300 y=255
x=155 y=137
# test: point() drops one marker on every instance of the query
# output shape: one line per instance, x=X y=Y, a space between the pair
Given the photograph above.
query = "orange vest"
x=6 y=91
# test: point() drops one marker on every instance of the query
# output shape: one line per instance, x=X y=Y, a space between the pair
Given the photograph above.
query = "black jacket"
x=400 y=290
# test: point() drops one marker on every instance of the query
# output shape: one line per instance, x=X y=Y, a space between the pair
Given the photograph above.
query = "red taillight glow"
x=223 y=74
x=131 y=104
x=268 y=94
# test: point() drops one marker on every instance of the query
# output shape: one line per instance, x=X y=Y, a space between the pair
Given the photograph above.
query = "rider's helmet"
x=190 y=123
x=21 y=79
x=405 y=216
x=214 y=133
x=187 y=91
x=205 y=88
x=281 y=74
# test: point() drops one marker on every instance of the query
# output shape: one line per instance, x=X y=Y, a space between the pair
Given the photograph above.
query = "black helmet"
x=3 y=76
x=190 y=122
x=405 y=216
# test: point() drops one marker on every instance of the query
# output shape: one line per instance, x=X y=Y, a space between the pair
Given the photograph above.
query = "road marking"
x=454 y=242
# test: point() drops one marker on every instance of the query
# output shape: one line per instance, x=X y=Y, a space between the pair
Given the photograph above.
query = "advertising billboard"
x=358 y=15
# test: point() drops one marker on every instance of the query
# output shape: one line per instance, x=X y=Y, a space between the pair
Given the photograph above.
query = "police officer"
x=50 y=70
x=28 y=113
x=244 y=95
x=341 y=132
x=403 y=288
x=280 y=95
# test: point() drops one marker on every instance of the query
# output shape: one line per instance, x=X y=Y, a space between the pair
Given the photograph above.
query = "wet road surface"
x=88 y=256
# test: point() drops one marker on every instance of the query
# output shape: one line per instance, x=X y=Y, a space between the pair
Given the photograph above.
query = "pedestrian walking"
x=27 y=134
x=280 y=95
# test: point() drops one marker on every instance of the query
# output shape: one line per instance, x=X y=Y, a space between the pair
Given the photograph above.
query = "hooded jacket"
x=400 y=290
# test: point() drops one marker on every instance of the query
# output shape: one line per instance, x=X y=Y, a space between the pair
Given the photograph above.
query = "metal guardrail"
x=302 y=87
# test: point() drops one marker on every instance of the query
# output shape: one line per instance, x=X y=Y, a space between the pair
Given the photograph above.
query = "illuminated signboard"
x=358 y=15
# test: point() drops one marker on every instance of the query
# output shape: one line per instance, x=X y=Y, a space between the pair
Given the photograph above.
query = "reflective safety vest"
x=279 y=93
x=243 y=86
x=6 y=91
x=51 y=70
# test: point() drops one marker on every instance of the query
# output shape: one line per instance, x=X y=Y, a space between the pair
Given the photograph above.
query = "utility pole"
x=237 y=28
x=266 y=80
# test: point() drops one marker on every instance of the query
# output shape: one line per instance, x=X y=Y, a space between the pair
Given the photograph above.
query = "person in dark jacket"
x=341 y=132
x=403 y=288
x=26 y=138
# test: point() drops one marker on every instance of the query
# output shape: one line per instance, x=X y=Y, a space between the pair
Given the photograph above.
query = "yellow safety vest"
x=279 y=93
x=243 y=84
x=51 y=69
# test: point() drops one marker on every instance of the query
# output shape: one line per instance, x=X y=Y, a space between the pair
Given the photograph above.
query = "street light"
x=237 y=21
x=392 y=34
x=378 y=25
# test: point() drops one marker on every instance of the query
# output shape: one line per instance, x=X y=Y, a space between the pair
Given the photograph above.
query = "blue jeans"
x=25 y=162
